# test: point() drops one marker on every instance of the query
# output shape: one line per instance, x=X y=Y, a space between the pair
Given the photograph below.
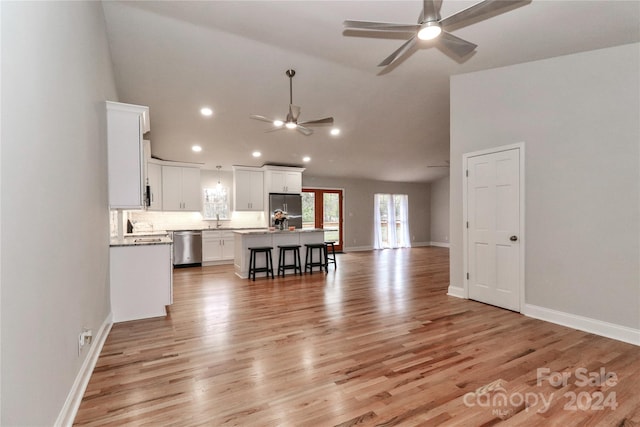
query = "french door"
x=322 y=208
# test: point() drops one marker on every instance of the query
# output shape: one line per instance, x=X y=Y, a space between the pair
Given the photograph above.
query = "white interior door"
x=494 y=228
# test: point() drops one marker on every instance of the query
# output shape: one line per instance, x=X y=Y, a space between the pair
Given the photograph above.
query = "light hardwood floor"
x=375 y=342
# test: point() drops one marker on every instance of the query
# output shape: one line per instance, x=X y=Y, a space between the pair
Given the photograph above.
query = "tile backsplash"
x=148 y=221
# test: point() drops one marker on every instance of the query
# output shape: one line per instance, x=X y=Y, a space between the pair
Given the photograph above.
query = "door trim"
x=341 y=242
x=521 y=233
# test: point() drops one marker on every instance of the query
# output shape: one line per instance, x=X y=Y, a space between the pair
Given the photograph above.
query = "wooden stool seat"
x=268 y=268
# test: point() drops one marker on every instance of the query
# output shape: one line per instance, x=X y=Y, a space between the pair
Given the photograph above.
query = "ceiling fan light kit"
x=431 y=26
x=291 y=122
x=429 y=31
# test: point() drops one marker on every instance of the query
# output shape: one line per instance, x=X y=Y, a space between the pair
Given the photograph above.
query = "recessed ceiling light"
x=306 y=159
x=196 y=148
x=256 y=154
x=278 y=123
x=291 y=125
x=206 y=111
x=335 y=131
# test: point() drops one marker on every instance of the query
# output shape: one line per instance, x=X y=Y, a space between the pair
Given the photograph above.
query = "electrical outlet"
x=85 y=337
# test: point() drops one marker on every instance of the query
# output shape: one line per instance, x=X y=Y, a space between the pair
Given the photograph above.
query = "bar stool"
x=330 y=257
x=268 y=268
x=297 y=265
x=308 y=259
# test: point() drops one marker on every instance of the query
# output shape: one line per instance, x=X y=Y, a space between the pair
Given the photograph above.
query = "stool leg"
x=297 y=262
x=333 y=250
x=271 y=264
x=326 y=260
x=252 y=265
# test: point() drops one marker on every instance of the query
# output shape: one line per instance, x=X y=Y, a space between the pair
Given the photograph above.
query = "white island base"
x=245 y=239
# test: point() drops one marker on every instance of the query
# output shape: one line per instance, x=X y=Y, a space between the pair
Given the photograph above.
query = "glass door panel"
x=323 y=209
x=308 y=209
x=331 y=217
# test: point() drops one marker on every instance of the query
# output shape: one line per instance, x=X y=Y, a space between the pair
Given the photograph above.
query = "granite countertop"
x=141 y=240
x=267 y=231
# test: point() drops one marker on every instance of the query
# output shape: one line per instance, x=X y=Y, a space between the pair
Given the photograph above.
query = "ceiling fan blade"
x=295 y=111
x=304 y=130
x=455 y=44
x=399 y=52
x=261 y=118
x=429 y=11
x=381 y=26
x=326 y=120
x=275 y=128
x=479 y=9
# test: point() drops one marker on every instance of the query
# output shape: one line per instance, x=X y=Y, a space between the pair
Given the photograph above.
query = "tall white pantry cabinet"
x=125 y=125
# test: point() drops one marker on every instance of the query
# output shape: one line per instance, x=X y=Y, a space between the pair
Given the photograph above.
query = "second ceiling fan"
x=431 y=26
x=291 y=121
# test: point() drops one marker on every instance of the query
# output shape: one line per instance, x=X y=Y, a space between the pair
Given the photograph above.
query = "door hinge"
x=467 y=224
x=467 y=172
x=467 y=276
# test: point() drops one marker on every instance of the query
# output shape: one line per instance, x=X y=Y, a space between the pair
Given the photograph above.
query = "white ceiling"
x=176 y=57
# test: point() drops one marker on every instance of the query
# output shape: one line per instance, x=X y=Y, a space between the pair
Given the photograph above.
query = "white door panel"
x=493 y=212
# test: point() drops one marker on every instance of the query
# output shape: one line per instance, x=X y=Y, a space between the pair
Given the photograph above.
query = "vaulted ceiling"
x=177 y=57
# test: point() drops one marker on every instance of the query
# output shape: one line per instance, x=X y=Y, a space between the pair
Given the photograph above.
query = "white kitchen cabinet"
x=125 y=125
x=154 y=181
x=248 y=184
x=217 y=246
x=141 y=281
x=181 y=188
x=284 y=181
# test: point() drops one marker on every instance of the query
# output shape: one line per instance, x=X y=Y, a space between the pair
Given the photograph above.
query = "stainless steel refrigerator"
x=291 y=204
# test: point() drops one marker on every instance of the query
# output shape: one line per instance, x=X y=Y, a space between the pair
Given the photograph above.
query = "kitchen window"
x=216 y=203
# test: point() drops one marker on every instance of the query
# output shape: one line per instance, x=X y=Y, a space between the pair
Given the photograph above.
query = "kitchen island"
x=245 y=239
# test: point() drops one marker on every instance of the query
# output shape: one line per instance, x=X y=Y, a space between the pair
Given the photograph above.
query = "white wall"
x=56 y=74
x=440 y=211
x=579 y=118
x=358 y=207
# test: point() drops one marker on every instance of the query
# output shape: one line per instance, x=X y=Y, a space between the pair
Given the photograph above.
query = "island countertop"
x=267 y=231
x=141 y=240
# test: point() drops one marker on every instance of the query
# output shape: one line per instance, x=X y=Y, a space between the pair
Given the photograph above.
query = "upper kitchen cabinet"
x=280 y=179
x=126 y=124
x=154 y=186
x=181 y=188
x=248 y=184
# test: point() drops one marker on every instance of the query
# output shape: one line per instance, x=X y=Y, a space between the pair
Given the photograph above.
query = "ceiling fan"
x=291 y=121
x=431 y=26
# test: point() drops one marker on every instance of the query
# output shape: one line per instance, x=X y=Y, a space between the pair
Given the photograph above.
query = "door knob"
x=513 y=238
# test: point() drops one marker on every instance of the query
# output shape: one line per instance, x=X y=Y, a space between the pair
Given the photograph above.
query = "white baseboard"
x=68 y=413
x=358 y=248
x=594 y=326
x=439 y=244
x=420 y=244
x=455 y=291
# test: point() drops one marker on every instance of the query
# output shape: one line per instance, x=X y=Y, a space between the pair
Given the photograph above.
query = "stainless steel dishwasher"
x=187 y=248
